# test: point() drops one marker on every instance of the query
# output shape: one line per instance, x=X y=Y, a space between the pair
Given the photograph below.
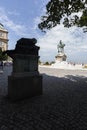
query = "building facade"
x=3 y=38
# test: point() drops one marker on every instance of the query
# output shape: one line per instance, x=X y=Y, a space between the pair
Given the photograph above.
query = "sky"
x=21 y=19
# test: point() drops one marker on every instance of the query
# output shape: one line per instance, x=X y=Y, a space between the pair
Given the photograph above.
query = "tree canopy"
x=68 y=12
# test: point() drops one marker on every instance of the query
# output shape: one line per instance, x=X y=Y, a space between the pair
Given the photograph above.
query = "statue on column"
x=60 y=47
x=61 y=55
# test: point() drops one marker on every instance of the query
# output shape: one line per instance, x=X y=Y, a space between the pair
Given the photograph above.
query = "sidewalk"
x=63 y=105
x=1 y=71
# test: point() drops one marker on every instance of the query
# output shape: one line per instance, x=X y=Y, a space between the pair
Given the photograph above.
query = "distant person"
x=2 y=65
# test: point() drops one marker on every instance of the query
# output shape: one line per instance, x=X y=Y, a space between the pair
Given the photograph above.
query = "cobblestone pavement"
x=63 y=105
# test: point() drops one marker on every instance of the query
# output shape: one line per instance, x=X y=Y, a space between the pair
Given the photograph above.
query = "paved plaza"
x=63 y=105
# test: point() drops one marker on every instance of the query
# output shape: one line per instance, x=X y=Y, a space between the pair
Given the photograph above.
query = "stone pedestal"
x=61 y=57
x=25 y=80
x=20 y=87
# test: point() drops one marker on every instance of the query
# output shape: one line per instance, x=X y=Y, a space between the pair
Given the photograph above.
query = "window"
x=1 y=34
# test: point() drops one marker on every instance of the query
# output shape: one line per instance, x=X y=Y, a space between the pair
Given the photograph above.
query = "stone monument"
x=60 y=59
x=61 y=55
x=25 y=80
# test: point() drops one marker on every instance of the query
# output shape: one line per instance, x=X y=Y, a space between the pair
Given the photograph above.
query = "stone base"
x=24 y=87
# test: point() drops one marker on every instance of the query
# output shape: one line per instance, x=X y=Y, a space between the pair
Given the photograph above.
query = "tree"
x=69 y=12
x=3 y=57
x=46 y=63
x=39 y=62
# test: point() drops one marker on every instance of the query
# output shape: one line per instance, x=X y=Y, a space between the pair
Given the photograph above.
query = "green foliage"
x=46 y=63
x=39 y=62
x=52 y=62
x=3 y=57
x=65 y=10
x=85 y=66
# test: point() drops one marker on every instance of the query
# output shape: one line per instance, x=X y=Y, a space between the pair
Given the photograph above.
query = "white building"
x=3 y=38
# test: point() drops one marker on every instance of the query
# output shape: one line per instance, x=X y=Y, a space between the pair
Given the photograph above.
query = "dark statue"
x=60 y=47
x=24 y=46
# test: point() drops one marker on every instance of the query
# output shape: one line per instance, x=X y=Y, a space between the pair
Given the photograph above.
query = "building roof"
x=2 y=27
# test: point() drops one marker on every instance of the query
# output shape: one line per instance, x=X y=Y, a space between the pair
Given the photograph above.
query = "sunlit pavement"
x=63 y=105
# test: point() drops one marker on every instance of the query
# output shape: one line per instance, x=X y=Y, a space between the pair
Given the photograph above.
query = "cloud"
x=19 y=29
x=36 y=22
x=13 y=13
x=42 y=10
x=73 y=38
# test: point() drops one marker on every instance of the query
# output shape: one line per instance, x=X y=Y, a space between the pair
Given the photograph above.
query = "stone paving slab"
x=63 y=105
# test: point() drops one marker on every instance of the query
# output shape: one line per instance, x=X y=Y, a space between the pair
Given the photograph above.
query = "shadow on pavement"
x=62 y=106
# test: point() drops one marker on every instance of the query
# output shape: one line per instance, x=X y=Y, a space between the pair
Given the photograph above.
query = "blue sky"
x=21 y=19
